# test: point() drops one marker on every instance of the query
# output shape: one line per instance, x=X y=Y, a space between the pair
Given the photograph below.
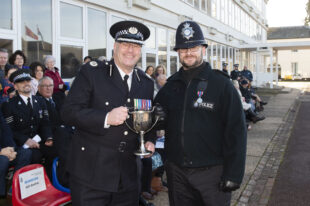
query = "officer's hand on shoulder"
x=117 y=116
x=228 y=186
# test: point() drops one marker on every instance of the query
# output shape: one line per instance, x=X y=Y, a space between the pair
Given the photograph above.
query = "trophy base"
x=142 y=153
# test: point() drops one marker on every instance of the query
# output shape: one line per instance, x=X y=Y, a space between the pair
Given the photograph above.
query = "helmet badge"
x=133 y=30
x=187 y=31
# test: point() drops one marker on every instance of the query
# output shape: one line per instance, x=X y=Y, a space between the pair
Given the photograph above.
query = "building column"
x=277 y=68
x=257 y=65
x=271 y=66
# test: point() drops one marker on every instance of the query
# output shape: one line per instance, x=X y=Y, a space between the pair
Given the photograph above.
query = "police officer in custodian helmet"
x=205 y=127
x=102 y=166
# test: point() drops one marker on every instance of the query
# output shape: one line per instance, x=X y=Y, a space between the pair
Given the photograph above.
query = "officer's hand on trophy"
x=32 y=144
x=228 y=186
x=150 y=147
x=117 y=116
x=159 y=112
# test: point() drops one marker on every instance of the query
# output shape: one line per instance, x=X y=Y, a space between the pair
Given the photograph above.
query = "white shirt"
x=129 y=80
x=25 y=99
x=123 y=75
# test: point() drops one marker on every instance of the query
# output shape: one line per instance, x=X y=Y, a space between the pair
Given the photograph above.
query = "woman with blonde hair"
x=160 y=69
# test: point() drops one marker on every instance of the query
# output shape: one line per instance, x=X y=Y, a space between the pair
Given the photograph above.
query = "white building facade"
x=72 y=29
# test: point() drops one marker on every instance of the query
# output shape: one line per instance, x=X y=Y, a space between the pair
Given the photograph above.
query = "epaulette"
x=221 y=72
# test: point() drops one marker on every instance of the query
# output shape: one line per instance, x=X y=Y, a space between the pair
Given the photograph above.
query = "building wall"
x=72 y=29
x=286 y=59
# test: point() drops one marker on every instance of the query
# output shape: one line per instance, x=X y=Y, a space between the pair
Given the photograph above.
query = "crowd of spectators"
x=252 y=103
x=31 y=128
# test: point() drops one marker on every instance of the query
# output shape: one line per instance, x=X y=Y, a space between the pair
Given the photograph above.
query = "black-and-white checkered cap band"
x=21 y=76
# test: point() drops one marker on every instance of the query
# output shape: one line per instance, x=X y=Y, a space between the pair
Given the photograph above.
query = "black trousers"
x=146 y=177
x=195 y=186
x=83 y=195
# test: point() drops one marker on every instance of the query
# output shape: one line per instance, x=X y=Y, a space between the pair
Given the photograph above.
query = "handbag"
x=156 y=161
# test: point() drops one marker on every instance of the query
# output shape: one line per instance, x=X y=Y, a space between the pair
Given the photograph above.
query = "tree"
x=307 y=19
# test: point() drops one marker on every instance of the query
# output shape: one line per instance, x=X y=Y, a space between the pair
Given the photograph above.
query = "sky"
x=286 y=12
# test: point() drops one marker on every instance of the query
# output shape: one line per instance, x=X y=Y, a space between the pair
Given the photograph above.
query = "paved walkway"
x=266 y=145
x=292 y=182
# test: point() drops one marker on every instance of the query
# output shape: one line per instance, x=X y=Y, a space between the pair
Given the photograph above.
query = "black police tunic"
x=26 y=124
x=205 y=124
x=103 y=158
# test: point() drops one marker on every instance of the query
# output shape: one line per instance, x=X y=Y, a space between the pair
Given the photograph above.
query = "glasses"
x=191 y=50
x=47 y=86
x=126 y=45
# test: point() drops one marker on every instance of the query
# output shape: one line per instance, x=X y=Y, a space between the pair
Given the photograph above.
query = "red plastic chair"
x=48 y=197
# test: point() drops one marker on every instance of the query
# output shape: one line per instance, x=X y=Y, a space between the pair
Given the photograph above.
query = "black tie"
x=126 y=83
x=29 y=106
x=52 y=102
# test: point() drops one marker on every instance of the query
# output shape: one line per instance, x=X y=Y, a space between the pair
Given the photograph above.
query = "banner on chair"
x=31 y=182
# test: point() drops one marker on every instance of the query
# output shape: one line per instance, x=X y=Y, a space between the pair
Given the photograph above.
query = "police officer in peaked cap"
x=27 y=117
x=224 y=67
x=235 y=73
x=205 y=127
x=103 y=167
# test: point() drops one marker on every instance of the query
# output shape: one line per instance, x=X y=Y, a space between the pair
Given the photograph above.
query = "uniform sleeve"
x=19 y=137
x=234 y=144
x=76 y=110
x=6 y=134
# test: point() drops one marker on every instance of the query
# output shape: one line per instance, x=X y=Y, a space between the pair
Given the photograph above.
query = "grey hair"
x=4 y=50
x=45 y=78
x=48 y=57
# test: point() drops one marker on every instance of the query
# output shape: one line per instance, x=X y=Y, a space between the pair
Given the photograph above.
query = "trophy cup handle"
x=130 y=127
x=157 y=118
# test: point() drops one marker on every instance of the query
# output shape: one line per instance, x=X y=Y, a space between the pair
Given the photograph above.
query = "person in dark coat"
x=10 y=154
x=28 y=119
x=61 y=134
x=224 y=65
x=235 y=73
x=245 y=73
x=205 y=127
x=103 y=167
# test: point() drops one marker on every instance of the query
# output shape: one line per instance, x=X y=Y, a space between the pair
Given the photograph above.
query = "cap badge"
x=133 y=30
x=187 y=31
x=93 y=63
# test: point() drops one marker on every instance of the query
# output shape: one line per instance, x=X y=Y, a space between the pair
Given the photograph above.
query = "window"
x=204 y=6
x=294 y=68
x=71 y=60
x=237 y=17
x=213 y=9
x=162 y=46
x=71 y=21
x=222 y=11
x=7 y=44
x=6 y=14
x=173 y=64
x=196 y=4
x=37 y=40
x=172 y=40
x=162 y=39
x=97 y=33
x=151 y=59
x=151 y=41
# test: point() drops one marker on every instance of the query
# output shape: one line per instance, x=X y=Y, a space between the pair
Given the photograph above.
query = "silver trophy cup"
x=142 y=122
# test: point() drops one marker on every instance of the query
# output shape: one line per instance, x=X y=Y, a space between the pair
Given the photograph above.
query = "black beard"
x=197 y=63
